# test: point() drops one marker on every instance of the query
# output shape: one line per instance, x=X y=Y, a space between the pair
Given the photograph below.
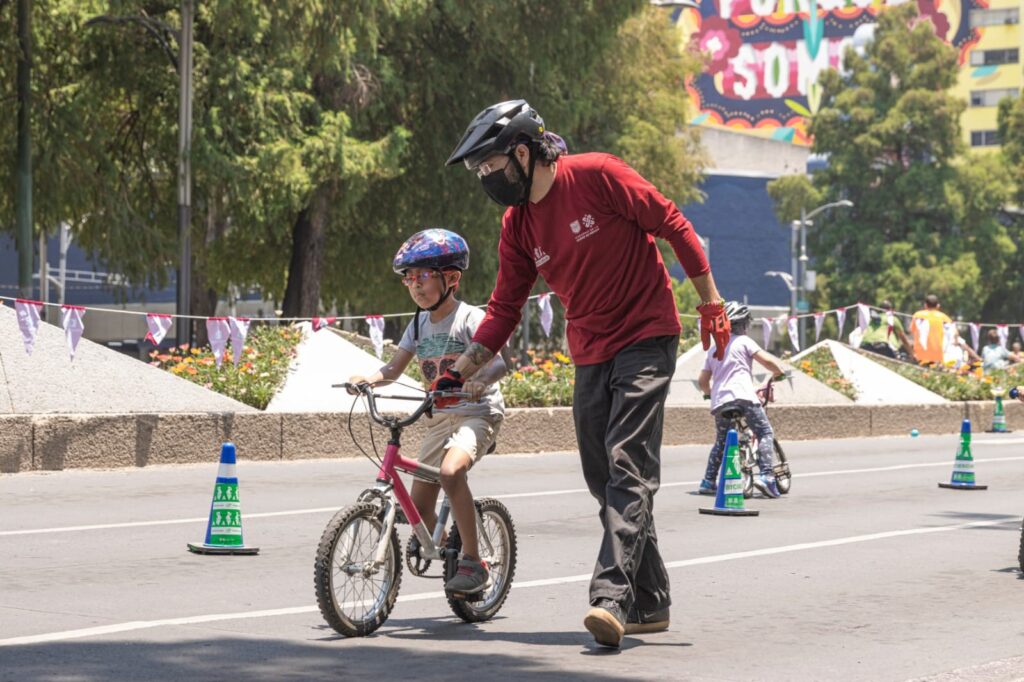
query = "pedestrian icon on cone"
x=224 y=529
x=729 y=496
x=963 y=465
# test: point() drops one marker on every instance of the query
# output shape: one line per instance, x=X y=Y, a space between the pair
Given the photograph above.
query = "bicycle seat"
x=732 y=413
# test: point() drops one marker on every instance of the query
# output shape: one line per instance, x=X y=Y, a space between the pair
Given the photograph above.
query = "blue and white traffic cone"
x=224 y=529
x=963 y=465
x=729 y=496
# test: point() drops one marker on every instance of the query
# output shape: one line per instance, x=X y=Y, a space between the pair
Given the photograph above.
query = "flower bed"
x=545 y=382
x=822 y=366
x=968 y=383
x=261 y=371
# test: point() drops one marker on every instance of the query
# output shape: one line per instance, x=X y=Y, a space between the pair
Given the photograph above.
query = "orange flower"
x=192 y=371
x=163 y=357
x=205 y=362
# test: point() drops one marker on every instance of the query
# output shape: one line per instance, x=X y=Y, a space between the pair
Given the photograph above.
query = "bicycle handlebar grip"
x=1015 y=393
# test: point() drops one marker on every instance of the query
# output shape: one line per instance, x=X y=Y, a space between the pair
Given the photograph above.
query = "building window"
x=984 y=138
x=994 y=17
x=991 y=98
x=994 y=57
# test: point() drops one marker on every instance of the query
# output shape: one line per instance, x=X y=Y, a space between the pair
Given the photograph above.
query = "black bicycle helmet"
x=496 y=130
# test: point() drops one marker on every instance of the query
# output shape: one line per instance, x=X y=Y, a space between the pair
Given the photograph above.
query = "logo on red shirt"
x=539 y=257
x=588 y=222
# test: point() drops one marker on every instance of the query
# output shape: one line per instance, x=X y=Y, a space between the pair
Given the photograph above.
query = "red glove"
x=714 y=323
x=449 y=381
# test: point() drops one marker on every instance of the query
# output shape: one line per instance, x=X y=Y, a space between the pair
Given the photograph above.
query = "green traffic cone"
x=729 y=496
x=224 y=529
x=963 y=465
x=999 y=416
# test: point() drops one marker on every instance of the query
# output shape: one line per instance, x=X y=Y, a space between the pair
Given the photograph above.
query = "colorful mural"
x=765 y=55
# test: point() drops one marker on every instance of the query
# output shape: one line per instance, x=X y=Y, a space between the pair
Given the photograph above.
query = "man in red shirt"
x=587 y=224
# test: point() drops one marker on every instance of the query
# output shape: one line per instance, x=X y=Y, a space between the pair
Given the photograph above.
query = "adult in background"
x=885 y=334
x=587 y=224
x=929 y=343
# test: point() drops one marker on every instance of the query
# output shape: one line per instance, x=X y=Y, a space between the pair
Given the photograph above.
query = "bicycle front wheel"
x=497 y=541
x=781 y=469
x=354 y=595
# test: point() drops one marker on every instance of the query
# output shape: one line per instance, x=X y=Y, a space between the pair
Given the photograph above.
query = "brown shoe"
x=605 y=624
x=642 y=624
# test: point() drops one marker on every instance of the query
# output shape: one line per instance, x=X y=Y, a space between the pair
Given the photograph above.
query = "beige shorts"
x=475 y=435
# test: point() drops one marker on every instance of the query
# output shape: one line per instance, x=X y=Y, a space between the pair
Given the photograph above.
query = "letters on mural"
x=765 y=55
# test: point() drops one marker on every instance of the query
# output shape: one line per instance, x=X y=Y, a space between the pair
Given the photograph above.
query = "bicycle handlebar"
x=371 y=400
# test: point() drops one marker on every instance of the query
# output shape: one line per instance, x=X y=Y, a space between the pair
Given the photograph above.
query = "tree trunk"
x=302 y=295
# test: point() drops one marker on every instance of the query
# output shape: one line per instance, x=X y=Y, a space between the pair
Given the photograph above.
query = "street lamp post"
x=799 y=274
x=185 y=174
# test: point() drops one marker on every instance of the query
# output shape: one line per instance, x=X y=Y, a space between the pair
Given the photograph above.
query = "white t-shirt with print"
x=731 y=378
x=440 y=344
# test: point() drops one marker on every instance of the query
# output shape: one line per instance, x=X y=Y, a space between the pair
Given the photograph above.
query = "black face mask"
x=509 y=192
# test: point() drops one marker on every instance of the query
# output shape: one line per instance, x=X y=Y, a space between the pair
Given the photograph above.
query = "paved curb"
x=73 y=441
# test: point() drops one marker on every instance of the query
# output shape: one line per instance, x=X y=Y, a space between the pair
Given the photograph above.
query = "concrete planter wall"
x=55 y=442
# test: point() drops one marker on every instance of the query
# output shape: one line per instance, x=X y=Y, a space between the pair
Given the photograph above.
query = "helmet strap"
x=528 y=185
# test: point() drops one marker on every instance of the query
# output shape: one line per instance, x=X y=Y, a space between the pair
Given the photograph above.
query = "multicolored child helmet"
x=434 y=248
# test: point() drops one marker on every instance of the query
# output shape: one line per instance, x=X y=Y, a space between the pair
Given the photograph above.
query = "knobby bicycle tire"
x=476 y=612
x=323 y=575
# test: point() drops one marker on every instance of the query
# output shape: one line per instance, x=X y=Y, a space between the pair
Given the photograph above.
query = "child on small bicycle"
x=730 y=384
x=459 y=432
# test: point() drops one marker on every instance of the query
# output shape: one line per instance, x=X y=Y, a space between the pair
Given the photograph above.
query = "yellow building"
x=992 y=70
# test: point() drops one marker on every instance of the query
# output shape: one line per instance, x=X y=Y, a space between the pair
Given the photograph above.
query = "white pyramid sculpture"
x=99 y=380
x=324 y=358
x=874 y=383
x=799 y=389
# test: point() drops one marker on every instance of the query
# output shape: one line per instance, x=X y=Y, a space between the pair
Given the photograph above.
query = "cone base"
x=717 y=511
x=963 y=486
x=998 y=431
x=220 y=549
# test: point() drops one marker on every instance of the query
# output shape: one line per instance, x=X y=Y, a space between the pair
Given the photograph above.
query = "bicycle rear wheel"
x=354 y=597
x=497 y=542
x=783 y=477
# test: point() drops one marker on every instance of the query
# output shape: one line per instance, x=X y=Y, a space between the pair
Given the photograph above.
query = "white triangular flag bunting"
x=28 y=321
x=794 y=332
x=1004 y=334
x=376 y=323
x=819 y=319
x=544 y=303
x=766 y=331
x=864 y=315
x=948 y=335
x=239 y=330
x=975 y=334
x=923 y=328
x=158 y=327
x=71 y=320
x=841 y=316
x=218 y=332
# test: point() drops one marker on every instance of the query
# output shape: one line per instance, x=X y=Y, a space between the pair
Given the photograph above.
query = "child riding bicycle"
x=730 y=384
x=459 y=433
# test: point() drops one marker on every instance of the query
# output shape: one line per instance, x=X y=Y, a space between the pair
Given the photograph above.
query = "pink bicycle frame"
x=393 y=459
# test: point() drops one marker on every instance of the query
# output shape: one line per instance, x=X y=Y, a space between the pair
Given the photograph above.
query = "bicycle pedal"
x=466 y=597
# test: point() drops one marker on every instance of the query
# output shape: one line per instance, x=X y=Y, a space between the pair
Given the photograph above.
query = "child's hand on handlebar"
x=356 y=380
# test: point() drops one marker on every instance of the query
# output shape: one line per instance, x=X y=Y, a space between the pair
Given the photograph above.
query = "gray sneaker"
x=472 y=577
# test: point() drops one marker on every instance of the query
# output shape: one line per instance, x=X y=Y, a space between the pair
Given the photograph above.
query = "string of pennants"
x=220 y=330
x=224 y=330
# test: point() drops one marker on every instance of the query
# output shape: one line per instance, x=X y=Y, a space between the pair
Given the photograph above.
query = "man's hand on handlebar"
x=451 y=380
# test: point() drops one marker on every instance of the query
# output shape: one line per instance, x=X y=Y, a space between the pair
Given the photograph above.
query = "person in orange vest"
x=929 y=339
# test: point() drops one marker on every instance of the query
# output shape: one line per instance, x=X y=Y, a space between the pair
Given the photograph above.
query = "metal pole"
x=65 y=242
x=44 y=275
x=185 y=172
x=792 y=266
x=803 y=272
x=23 y=192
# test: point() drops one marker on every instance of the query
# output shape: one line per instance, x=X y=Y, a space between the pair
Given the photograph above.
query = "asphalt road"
x=866 y=571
